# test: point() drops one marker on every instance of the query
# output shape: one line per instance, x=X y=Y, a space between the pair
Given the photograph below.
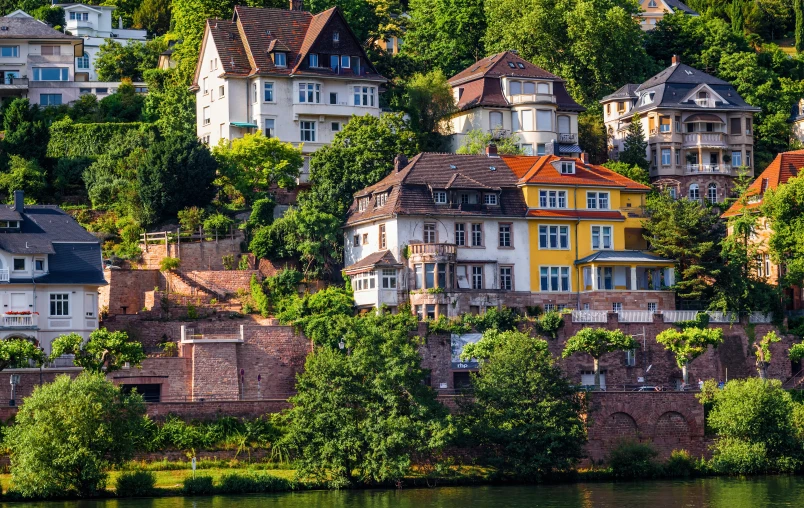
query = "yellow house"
x=587 y=249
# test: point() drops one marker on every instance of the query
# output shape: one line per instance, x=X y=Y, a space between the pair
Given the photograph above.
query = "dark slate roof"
x=499 y=65
x=624 y=256
x=681 y=74
x=677 y=5
x=41 y=226
x=74 y=263
x=30 y=28
x=624 y=92
x=383 y=258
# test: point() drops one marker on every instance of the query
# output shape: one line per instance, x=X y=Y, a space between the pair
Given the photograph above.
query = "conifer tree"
x=635 y=145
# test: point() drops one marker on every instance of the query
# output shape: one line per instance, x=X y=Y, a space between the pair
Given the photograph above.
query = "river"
x=709 y=492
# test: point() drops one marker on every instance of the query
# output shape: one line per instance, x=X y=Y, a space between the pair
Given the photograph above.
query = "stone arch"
x=620 y=426
x=19 y=335
x=671 y=432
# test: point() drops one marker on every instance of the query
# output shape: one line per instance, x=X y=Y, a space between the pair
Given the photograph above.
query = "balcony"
x=4 y=275
x=722 y=169
x=499 y=133
x=14 y=83
x=432 y=249
x=705 y=103
x=704 y=139
x=52 y=59
x=20 y=321
x=532 y=97
x=564 y=137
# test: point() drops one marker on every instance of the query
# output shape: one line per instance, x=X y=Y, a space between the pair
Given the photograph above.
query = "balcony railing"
x=723 y=169
x=565 y=137
x=499 y=132
x=704 y=139
x=4 y=275
x=676 y=316
x=532 y=97
x=760 y=317
x=635 y=316
x=13 y=82
x=590 y=316
x=20 y=320
x=705 y=103
x=723 y=317
x=435 y=249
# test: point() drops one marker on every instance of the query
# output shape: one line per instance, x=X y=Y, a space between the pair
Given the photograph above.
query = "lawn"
x=787 y=45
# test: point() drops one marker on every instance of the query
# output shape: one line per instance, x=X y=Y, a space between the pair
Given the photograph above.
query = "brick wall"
x=150 y=332
x=172 y=374
x=207 y=255
x=128 y=288
x=215 y=371
x=215 y=283
x=276 y=354
x=210 y=410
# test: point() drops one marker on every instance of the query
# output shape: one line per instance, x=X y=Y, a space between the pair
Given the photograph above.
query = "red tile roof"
x=575 y=214
x=540 y=170
x=785 y=166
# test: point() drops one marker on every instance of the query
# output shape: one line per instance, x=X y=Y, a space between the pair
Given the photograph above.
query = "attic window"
x=567 y=168
x=380 y=199
x=652 y=3
x=453 y=166
x=492 y=168
x=440 y=197
x=280 y=59
x=362 y=204
x=511 y=65
x=521 y=65
x=336 y=36
x=646 y=99
x=9 y=224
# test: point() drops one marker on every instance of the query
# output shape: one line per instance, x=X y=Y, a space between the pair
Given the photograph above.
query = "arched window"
x=694 y=194
x=515 y=88
x=711 y=192
x=496 y=119
x=543 y=88
x=82 y=62
x=563 y=124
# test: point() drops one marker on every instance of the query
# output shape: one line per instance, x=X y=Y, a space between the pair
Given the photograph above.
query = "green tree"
x=125 y=105
x=254 y=163
x=105 y=351
x=23 y=175
x=634 y=172
x=737 y=18
x=16 y=353
x=688 y=344
x=69 y=433
x=798 y=8
x=50 y=14
x=783 y=209
x=324 y=316
x=592 y=134
x=116 y=61
x=428 y=100
x=763 y=352
x=596 y=342
x=169 y=104
x=524 y=415
x=476 y=140
x=154 y=16
x=25 y=133
x=635 y=145
x=361 y=417
x=370 y=21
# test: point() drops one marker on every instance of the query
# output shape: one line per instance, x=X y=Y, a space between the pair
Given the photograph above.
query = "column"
x=633 y=278
x=594 y=278
x=700 y=154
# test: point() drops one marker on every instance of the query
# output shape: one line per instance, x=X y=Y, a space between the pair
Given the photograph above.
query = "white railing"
x=192 y=334
x=590 y=316
x=62 y=361
x=532 y=97
x=704 y=139
x=674 y=316
x=709 y=168
x=760 y=317
x=4 y=275
x=19 y=321
x=705 y=103
x=635 y=316
x=566 y=137
x=722 y=317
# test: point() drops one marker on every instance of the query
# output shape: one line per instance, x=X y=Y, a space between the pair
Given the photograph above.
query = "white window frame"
x=309 y=93
x=600 y=235
x=440 y=197
x=489 y=199
x=506 y=280
x=560 y=271
x=313 y=60
x=460 y=234
x=269 y=132
x=280 y=59
x=474 y=237
x=364 y=95
x=388 y=278
x=307 y=131
x=505 y=239
x=430 y=232
x=549 y=231
x=59 y=304
x=268 y=92
x=596 y=200
x=552 y=199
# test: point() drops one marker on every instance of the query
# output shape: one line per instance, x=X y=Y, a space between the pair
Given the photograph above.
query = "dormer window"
x=440 y=197
x=9 y=224
x=646 y=99
x=380 y=199
x=567 y=167
x=345 y=62
x=363 y=204
x=652 y=3
x=490 y=199
x=336 y=36
x=313 y=58
x=280 y=59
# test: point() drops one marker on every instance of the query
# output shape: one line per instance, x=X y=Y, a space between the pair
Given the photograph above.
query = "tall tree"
x=798 y=7
x=635 y=145
x=116 y=61
x=154 y=16
x=371 y=21
x=428 y=100
x=688 y=344
x=737 y=18
x=596 y=342
x=105 y=351
x=26 y=134
x=763 y=352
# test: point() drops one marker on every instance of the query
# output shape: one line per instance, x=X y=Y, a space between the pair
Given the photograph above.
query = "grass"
x=787 y=45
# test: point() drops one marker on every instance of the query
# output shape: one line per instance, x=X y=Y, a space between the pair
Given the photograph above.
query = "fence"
x=168 y=237
x=635 y=316
x=590 y=316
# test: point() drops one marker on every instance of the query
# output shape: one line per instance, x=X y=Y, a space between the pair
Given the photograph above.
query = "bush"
x=736 y=456
x=259 y=297
x=135 y=484
x=198 y=486
x=680 y=465
x=234 y=483
x=631 y=460
x=549 y=323
x=217 y=224
x=191 y=218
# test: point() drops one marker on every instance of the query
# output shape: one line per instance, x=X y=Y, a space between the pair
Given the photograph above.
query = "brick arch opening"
x=620 y=426
x=672 y=432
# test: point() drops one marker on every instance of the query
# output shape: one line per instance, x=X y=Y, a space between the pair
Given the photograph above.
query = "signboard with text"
x=458 y=343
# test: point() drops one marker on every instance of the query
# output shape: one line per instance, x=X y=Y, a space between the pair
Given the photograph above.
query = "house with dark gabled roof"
x=654 y=10
x=50 y=271
x=290 y=74
x=506 y=95
x=699 y=130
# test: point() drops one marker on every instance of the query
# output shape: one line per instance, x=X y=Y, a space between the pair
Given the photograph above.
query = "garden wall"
x=206 y=255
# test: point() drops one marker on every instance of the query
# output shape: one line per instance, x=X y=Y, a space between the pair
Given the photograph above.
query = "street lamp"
x=341 y=344
x=15 y=380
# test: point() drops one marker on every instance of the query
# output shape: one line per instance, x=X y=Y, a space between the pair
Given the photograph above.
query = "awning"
x=624 y=256
x=704 y=117
x=569 y=149
x=245 y=125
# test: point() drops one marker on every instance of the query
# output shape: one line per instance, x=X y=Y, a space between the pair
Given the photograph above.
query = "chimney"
x=296 y=5
x=585 y=157
x=400 y=161
x=676 y=60
x=19 y=201
x=491 y=150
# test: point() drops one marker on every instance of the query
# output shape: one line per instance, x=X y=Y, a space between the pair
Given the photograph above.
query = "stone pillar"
x=633 y=278
x=594 y=278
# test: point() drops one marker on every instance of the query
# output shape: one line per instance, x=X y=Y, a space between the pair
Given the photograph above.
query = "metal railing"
x=709 y=168
x=723 y=317
x=760 y=317
x=565 y=137
x=635 y=316
x=532 y=97
x=704 y=139
x=590 y=316
x=675 y=316
x=4 y=275
x=193 y=334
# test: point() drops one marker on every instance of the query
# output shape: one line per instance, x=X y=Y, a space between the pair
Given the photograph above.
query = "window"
x=554 y=278
x=767 y=265
x=19 y=264
x=382 y=236
x=543 y=88
x=336 y=36
x=364 y=95
x=307 y=131
x=313 y=60
x=506 y=278
x=204 y=86
x=84 y=91
x=617 y=306
x=253 y=91
x=333 y=62
x=345 y=61
x=748 y=126
x=100 y=91
x=440 y=197
x=460 y=234
x=51 y=50
x=527 y=119
x=333 y=98
x=429 y=275
x=362 y=204
x=477 y=277
x=364 y=281
x=541 y=148
x=221 y=91
x=734 y=126
x=490 y=199
x=380 y=199
x=652 y=3
x=356 y=240
x=512 y=65
x=527 y=148
x=515 y=125
x=84 y=16
x=515 y=87
x=678 y=124
x=388 y=278
x=268 y=92
x=694 y=192
x=544 y=120
x=646 y=99
x=60 y=304
x=477 y=235
x=50 y=73
x=496 y=120
x=601 y=237
x=664 y=124
x=552 y=199
x=673 y=192
x=310 y=93
x=597 y=200
x=652 y=306
x=82 y=62
x=608 y=109
x=429 y=232
x=270 y=131
x=206 y=119
x=336 y=126
x=39 y=265
x=748 y=159
x=666 y=157
x=213 y=64
x=72 y=15
x=50 y=99
x=365 y=239
x=678 y=157
x=736 y=158
x=711 y=193
x=554 y=237
x=280 y=60
x=567 y=168
x=529 y=88
x=505 y=235
x=563 y=124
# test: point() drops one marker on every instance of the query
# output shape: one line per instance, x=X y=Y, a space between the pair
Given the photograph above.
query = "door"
x=19 y=302
x=713 y=158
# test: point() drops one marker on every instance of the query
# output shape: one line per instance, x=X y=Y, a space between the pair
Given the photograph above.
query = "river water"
x=709 y=492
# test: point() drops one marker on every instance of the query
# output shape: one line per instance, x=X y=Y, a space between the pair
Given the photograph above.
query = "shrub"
x=680 y=465
x=228 y=262
x=631 y=460
x=135 y=484
x=198 y=486
x=736 y=456
x=190 y=219
x=259 y=296
x=217 y=224
x=284 y=283
x=549 y=323
x=169 y=264
x=234 y=483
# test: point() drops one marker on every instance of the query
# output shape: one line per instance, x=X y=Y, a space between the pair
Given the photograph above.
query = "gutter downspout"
x=577 y=271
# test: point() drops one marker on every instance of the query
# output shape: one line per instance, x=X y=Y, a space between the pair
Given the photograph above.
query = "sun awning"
x=569 y=149
x=704 y=117
x=245 y=125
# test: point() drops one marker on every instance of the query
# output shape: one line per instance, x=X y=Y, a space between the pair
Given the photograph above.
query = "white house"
x=289 y=73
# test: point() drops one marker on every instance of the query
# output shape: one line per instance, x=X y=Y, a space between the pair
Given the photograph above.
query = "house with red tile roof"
x=290 y=74
x=450 y=234
x=506 y=95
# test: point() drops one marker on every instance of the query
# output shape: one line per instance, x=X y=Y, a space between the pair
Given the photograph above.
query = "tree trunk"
x=596 y=363
x=763 y=370
x=685 y=374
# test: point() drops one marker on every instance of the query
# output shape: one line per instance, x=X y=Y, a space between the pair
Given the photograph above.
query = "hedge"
x=70 y=139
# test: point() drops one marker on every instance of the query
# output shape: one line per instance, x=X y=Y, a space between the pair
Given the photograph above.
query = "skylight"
x=511 y=65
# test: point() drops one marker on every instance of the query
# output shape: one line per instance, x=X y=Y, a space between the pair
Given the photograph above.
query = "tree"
x=154 y=16
x=737 y=19
x=798 y=8
x=592 y=134
x=370 y=21
x=596 y=342
x=69 y=433
x=783 y=208
x=169 y=104
x=688 y=344
x=105 y=351
x=254 y=163
x=319 y=315
x=17 y=353
x=689 y=233
x=26 y=134
x=524 y=415
x=763 y=352
x=634 y=172
x=50 y=14
x=361 y=414
x=428 y=100
x=23 y=175
x=116 y=61
x=635 y=145
x=476 y=140
x=175 y=173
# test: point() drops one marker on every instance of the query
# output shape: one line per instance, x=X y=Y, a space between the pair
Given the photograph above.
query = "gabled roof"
x=678 y=5
x=245 y=43
x=19 y=27
x=499 y=65
x=383 y=258
x=785 y=166
x=541 y=170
